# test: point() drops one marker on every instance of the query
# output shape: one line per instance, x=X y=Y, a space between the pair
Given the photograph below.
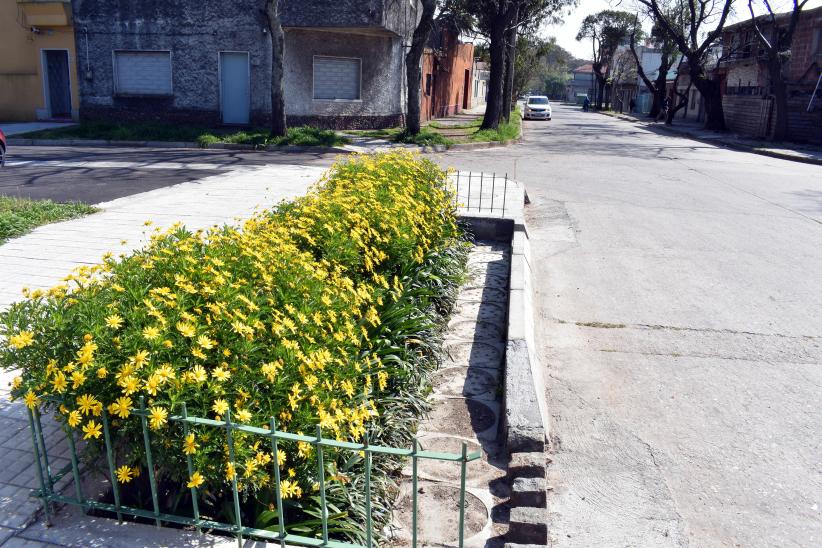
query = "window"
x=818 y=41
x=142 y=72
x=337 y=78
x=428 y=84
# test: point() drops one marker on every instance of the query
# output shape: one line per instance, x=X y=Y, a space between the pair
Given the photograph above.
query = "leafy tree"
x=607 y=30
x=530 y=55
x=695 y=27
x=413 y=60
x=275 y=30
x=776 y=38
x=668 y=53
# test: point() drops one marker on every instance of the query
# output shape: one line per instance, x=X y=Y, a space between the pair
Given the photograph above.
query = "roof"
x=766 y=19
x=587 y=67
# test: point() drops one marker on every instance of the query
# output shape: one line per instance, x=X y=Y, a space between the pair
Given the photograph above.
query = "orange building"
x=447 y=77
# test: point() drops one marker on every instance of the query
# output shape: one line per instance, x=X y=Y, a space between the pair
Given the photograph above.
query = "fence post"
x=230 y=440
x=115 y=486
x=369 y=541
x=321 y=471
x=463 y=463
x=277 y=492
x=152 y=480
x=190 y=464
x=414 y=463
x=44 y=492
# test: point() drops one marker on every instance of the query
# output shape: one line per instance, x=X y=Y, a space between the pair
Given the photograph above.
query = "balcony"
x=46 y=13
x=364 y=16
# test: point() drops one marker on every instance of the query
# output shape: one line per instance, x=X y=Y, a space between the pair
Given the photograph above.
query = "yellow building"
x=38 y=65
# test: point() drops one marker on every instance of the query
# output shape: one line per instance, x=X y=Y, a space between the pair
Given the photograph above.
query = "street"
x=680 y=318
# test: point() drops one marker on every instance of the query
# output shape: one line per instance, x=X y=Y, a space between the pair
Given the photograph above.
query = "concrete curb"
x=722 y=142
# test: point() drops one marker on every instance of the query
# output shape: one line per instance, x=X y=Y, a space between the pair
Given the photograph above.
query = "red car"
x=2 y=148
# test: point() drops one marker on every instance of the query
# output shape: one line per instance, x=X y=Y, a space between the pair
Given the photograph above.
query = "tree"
x=777 y=48
x=413 y=59
x=531 y=53
x=607 y=30
x=493 y=20
x=686 y=22
x=668 y=52
x=275 y=30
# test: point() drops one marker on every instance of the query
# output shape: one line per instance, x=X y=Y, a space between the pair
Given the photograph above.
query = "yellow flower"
x=21 y=340
x=158 y=416
x=230 y=472
x=114 y=321
x=190 y=445
x=125 y=474
x=31 y=400
x=205 y=342
x=102 y=373
x=74 y=419
x=244 y=415
x=290 y=489
x=198 y=374
x=17 y=382
x=87 y=403
x=220 y=406
x=221 y=374
x=196 y=480
x=186 y=329
x=92 y=430
x=150 y=333
x=140 y=358
x=121 y=407
x=59 y=382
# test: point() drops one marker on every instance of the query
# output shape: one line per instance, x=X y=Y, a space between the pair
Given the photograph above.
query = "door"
x=58 y=90
x=235 y=98
x=466 y=89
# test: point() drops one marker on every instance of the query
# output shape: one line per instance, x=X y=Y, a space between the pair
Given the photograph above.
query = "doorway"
x=466 y=89
x=57 y=83
x=235 y=96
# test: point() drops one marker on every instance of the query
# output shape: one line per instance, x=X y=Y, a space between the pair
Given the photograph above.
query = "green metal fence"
x=48 y=479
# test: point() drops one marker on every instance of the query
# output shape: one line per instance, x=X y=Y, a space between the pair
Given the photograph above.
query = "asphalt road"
x=94 y=175
x=680 y=320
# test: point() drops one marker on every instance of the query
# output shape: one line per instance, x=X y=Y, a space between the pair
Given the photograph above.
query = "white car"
x=537 y=107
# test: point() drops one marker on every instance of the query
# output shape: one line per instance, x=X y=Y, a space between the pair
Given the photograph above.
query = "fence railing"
x=48 y=479
x=481 y=192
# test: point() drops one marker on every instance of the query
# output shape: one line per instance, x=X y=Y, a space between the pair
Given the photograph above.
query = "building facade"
x=447 y=81
x=581 y=82
x=747 y=99
x=481 y=76
x=38 y=68
x=209 y=62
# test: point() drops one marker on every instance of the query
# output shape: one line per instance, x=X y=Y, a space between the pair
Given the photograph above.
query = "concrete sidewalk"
x=787 y=151
x=43 y=257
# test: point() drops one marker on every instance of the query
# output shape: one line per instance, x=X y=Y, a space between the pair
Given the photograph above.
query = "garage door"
x=336 y=78
x=143 y=72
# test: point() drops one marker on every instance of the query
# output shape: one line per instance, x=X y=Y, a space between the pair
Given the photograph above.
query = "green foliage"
x=163 y=131
x=505 y=132
x=426 y=137
x=19 y=216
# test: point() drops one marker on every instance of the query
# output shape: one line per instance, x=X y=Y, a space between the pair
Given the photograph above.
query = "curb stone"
x=722 y=142
x=511 y=545
x=528 y=526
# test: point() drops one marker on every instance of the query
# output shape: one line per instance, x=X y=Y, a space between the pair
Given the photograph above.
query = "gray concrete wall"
x=382 y=97
x=194 y=32
x=397 y=16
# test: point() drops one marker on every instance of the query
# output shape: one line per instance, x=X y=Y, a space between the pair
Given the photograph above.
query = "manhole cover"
x=478 y=331
x=474 y=354
x=438 y=513
x=460 y=417
x=466 y=381
x=484 y=294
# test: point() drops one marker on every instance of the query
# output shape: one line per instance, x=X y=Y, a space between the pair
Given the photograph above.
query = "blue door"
x=235 y=99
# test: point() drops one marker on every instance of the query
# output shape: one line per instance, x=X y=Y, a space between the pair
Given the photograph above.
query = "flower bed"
x=321 y=311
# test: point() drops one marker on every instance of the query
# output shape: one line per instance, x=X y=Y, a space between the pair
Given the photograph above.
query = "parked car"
x=537 y=107
x=2 y=149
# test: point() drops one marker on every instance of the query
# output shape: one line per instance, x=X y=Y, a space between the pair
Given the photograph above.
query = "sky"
x=566 y=31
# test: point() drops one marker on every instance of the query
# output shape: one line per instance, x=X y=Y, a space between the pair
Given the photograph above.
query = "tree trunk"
x=780 y=95
x=710 y=91
x=413 y=70
x=600 y=92
x=659 y=87
x=275 y=29
x=510 y=66
x=496 y=48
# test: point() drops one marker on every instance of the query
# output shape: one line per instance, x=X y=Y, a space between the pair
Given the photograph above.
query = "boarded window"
x=337 y=78
x=143 y=72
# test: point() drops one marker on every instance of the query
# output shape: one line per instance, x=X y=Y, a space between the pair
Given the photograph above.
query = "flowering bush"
x=317 y=312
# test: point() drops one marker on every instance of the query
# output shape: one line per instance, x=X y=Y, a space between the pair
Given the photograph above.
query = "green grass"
x=506 y=130
x=426 y=137
x=19 y=216
x=468 y=125
x=163 y=131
